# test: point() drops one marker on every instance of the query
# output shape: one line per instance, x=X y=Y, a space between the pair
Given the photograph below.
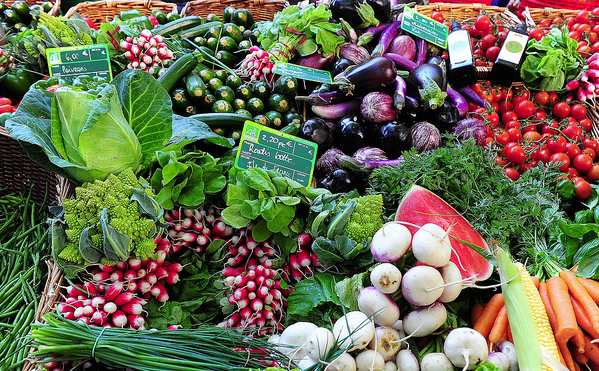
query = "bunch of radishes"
x=196 y=228
x=259 y=297
x=146 y=52
x=303 y=262
x=587 y=84
x=257 y=66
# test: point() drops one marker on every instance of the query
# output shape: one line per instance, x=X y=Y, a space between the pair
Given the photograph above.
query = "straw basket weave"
x=262 y=10
x=55 y=4
x=19 y=174
x=105 y=11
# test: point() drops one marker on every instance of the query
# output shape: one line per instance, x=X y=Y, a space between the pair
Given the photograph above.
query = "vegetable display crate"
x=19 y=174
x=104 y=11
x=50 y=297
x=55 y=4
x=262 y=10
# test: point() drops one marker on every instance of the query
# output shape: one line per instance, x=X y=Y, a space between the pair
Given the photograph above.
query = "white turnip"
x=431 y=245
x=391 y=242
x=466 y=348
x=386 y=277
x=318 y=343
x=306 y=363
x=435 y=362
x=453 y=279
x=369 y=360
x=509 y=349
x=422 y=285
x=379 y=306
x=345 y=362
x=359 y=326
x=398 y=326
x=390 y=366
x=386 y=342
x=294 y=337
x=406 y=361
x=424 y=321
x=500 y=360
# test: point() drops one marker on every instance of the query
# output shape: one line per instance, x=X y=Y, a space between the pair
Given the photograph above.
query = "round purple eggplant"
x=317 y=131
x=349 y=135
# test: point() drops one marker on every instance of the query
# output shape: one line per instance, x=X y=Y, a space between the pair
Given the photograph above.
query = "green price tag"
x=72 y=61
x=424 y=27
x=269 y=149
x=301 y=72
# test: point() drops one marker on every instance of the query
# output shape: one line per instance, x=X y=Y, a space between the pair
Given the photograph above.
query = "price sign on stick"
x=72 y=61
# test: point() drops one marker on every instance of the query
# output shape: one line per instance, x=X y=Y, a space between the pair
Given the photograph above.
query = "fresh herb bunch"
x=513 y=213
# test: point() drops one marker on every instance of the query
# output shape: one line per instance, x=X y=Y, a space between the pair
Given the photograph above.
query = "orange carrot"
x=485 y=321
x=567 y=327
x=583 y=320
x=581 y=294
x=499 y=326
x=579 y=357
x=509 y=334
x=592 y=287
x=591 y=350
x=477 y=310
x=536 y=281
x=565 y=359
x=568 y=359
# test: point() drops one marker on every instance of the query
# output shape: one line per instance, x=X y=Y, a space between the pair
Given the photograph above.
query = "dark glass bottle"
x=506 y=68
x=462 y=71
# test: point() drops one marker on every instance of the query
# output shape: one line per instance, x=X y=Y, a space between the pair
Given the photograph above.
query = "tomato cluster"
x=6 y=106
x=527 y=129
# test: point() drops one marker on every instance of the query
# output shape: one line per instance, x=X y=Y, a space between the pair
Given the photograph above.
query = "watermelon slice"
x=420 y=206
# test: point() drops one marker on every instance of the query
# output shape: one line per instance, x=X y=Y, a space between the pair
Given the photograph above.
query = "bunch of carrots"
x=572 y=305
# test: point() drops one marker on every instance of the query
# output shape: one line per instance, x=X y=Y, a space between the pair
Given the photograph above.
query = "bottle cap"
x=521 y=27
x=455 y=26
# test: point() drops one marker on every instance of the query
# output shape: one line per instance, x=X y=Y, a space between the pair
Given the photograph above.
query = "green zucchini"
x=208 y=101
x=227 y=43
x=244 y=112
x=222 y=106
x=222 y=120
x=207 y=50
x=177 y=25
x=261 y=90
x=173 y=17
x=227 y=58
x=292 y=128
x=227 y=13
x=286 y=85
x=214 y=84
x=206 y=74
x=233 y=81
x=195 y=85
x=239 y=104
x=47 y=6
x=180 y=99
x=3 y=7
x=262 y=120
x=221 y=75
x=231 y=29
x=160 y=16
x=292 y=117
x=182 y=67
x=22 y=9
x=11 y=17
x=225 y=93
x=278 y=102
x=191 y=33
x=212 y=43
x=244 y=92
x=240 y=17
x=213 y=18
x=276 y=119
x=255 y=106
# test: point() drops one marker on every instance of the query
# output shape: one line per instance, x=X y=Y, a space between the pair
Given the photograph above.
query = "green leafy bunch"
x=107 y=220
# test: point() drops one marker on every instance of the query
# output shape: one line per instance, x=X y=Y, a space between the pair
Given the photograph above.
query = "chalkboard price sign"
x=269 y=149
x=72 y=61
x=424 y=27
x=301 y=72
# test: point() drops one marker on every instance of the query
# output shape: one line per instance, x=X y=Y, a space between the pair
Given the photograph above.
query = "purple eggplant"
x=411 y=103
x=393 y=138
x=377 y=107
x=382 y=9
x=339 y=181
x=399 y=96
x=327 y=163
x=315 y=60
x=324 y=98
x=403 y=45
x=468 y=93
x=401 y=62
x=341 y=65
x=317 y=131
x=429 y=82
x=337 y=111
x=356 y=54
x=372 y=75
x=358 y=165
x=458 y=101
x=421 y=46
x=371 y=33
x=349 y=135
x=355 y=12
x=386 y=38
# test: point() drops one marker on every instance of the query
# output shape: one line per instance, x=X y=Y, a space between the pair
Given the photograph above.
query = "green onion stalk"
x=202 y=348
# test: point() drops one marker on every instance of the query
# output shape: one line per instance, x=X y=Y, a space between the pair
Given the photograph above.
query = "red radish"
x=256 y=305
x=144 y=286
x=99 y=317
x=152 y=265
x=232 y=300
x=245 y=312
x=251 y=295
x=132 y=286
x=98 y=302
x=304 y=239
x=141 y=273
x=76 y=290
x=159 y=291
x=84 y=320
x=74 y=302
x=134 y=263
x=240 y=293
x=64 y=308
x=175 y=267
x=119 y=319
x=132 y=308
x=229 y=281
x=151 y=278
x=243 y=303
x=69 y=315
x=228 y=271
x=240 y=280
x=106 y=268
x=79 y=312
x=117 y=275
x=130 y=275
x=100 y=276
x=251 y=285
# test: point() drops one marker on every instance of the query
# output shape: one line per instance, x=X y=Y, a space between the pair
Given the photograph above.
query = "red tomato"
x=511 y=173
x=541 y=98
x=509 y=116
x=552 y=99
x=561 y=158
x=478 y=88
x=5 y=102
x=531 y=136
x=7 y=108
x=585 y=123
x=582 y=16
x=488 y=41
x=593 y=173
x=556 y=144
x=505 y=106
x=512 y=124
x=500 y=161
x=524 y=109
x=582 y=190
x=561 y=110
x=528 y=128
x=592 y=144
x=492 y=53
x=574 y=35
x=582 y=162
x=514 y=134
x=536 y=33
x=551 y=128
x=482 y=23
x=572 y=172
x=544 y=23
x=573 y=131
x=528 y=164
x=572 y=150
x=501 y=136
x=557 y=20
x=515 y=154
x=590 y=152
x=438 y=16
x=544 y=156
x=578 y=111
x=540 y=116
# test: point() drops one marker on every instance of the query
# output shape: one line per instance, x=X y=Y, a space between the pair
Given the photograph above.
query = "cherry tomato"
x=528 y=164
x=531 y=136
x=513 y=174
x=593 y=173
x=561 y=110
x=582 y=16
x=557 y=20
x=544 y=23
x=478 y=88
x=574 y=35
x=488 y=41
x=500 y=161
x=572 y=150
x=592 y=144
x=514 y=134
x=482 y=23
x=582 y=190
x=556 y=144
x=573 y=131
x=512 y=124
x=515 y=154
x=582 y=162
x=438 y=16
x=501 y=136
x=540 y=116
x=551 y=128
x=508 y=116
x=5 y=102
x=487 y=95
x=590 y=152
x=496 y=94
x=544 y=156
x=552 y=99
x=541 y=98
x=528 y=128
x=492 y=53
x=536 y=33
x=572 y=172
x=578 y=111
x=585 y=123
x=562 y=158
x=524 y=109
x=505 y=106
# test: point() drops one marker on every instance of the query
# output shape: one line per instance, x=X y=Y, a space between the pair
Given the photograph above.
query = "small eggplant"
x=444 y=117
x=327 y=163
x=393 y=138
x=349 y=136
x=370 y=76
x=429 y=83
x=317 y=131
x=341 y=65
x=382 y=9
x=348 y=10
x=324 y=98
x=339 y=181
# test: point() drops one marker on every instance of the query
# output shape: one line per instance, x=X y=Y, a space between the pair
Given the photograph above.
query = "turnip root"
x=431 y=245
x=500 y=360
x=381 y=307
x=359 y=326
x=451 y=275
x=293 y=339
x=306 y=363
x=425 y=320
x=398 y=326
x=390 y=366
x=318 y=343
x=406 y=361
x=386 y=342
x=345 y=362
x=386 y=277
x=422 y=285
x=509 y=349
x=390 y=243
x=369 y=360
x=435 y=362
x=466 y=348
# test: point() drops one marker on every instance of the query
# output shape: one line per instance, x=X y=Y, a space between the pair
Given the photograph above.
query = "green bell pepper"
x=17 y=82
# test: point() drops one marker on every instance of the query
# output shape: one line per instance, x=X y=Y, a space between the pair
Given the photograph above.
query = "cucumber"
x=206 y=74
x=213 y=18
x=160 y=16
x=214 y=84
x=195 y=85
x=244 y=112
x=255 y=106
x=223 y=120
x=227 y=58
x=279 y=103
x=276 y=119
x=227 y=43
x=238 y=104
x=227 y=13
x=225 y=93
x=231 y=29
x=199 y=30
x=222 y=106
x=261 y=90
x=262 y=120
x=180 y=99
x=286 y=85
x=178 y=25
x=221 y=75
x=182 y=67
x=244 y=92
x=233 y=81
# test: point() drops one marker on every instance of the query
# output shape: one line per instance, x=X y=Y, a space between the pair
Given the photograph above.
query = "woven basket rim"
x=248 y=4
x=132 y=4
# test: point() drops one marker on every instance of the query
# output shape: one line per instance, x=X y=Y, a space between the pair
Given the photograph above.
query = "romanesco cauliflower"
x=366 y=219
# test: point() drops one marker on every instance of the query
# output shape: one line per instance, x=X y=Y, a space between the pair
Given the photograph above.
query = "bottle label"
x=459 y=48
x=513 y=48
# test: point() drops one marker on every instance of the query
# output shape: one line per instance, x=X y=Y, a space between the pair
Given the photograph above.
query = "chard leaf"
x=349 y=289
x=172 y=170
x=177 y=188
x=236 y=195
x=258 y=179
x=311 y=292
x=116 y=244
x=164 y=197
x=284 y=216
x=269 y=209
x=147 y=108
x=214 y=181
x=192 y=194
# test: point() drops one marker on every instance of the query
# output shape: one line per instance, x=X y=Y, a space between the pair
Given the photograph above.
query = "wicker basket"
x=19 y=174
x=55 y=7
x=104 y=11
x=262 y=10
